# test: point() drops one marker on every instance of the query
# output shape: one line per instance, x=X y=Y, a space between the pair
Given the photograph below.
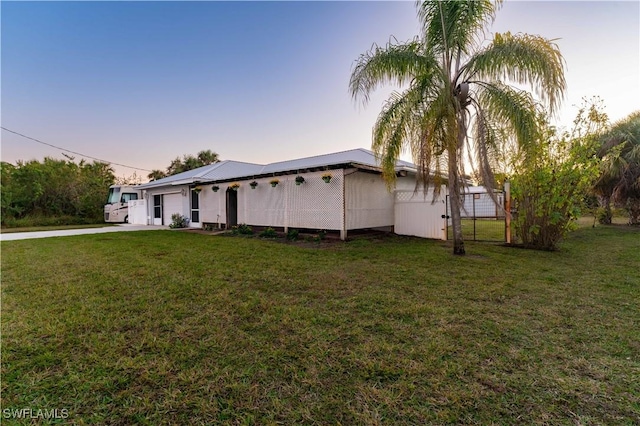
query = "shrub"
x=292 y=234
x=242 y=229
x=269 y=233
x=550 y=185
x=178 y=221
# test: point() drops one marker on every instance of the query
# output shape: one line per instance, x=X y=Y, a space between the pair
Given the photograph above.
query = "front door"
x=157 y=209
x=195 y=208
x=232 y=208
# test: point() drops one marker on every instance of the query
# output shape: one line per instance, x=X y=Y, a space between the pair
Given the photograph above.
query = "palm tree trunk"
x=606 y=219
x=454 y=199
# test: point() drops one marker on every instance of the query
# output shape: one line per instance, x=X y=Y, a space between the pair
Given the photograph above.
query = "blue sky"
x=139 y=83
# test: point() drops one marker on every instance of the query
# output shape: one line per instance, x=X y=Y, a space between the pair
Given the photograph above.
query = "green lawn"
x=181 y=328
x=54 y=228
x=481 y=230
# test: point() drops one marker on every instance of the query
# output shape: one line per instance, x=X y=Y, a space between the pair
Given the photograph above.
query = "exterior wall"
x=138 y=212
x=368 y=202
x=416 y=215
x=183 y=209
x=313 y=204
x=213 y=205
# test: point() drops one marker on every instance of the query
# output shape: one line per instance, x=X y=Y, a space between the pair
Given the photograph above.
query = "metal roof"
x=231 y=170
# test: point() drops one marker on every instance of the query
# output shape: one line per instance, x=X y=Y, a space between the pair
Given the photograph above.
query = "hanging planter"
x=215 y=188
x=299 y=180
x=234 y=186
x=274 y=182
x=197 y=189
x=326 y=177
x=253 y=184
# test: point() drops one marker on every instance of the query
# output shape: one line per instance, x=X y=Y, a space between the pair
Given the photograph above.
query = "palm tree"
x=619 y=180
x=207 y=157
x=456 y=100
x=156 y=174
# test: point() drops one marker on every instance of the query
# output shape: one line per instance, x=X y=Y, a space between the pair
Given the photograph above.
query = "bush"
x=292 y=234
x=242 y=229
x=178 y=221
x=550 y=185
x=269 y=233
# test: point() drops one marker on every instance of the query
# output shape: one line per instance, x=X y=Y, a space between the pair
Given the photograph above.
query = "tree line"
x=53 y=192
x=66 y=192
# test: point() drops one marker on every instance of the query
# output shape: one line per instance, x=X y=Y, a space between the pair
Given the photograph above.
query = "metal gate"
x=482 y=218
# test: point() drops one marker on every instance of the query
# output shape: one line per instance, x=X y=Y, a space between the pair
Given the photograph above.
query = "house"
x=341 y=191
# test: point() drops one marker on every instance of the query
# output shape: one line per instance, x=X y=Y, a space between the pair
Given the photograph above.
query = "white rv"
x=117 y=208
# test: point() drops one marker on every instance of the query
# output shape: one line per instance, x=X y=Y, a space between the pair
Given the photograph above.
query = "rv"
x=117 y=208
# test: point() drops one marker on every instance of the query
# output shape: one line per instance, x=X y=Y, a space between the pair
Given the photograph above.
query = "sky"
x=140 y=83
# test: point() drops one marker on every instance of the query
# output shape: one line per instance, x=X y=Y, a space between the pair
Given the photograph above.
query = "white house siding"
x=174 y=200
x=138 y=212
x=368 y=202
x=213 y=207
x=264 y=205
x=313 y=204
x=172 y=204
x=416 y=215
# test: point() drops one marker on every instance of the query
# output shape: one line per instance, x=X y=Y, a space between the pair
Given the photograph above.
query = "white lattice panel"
x=411 y=196
x=213 y=204
x=314 y=204
x=368 y=202
x=262 y=206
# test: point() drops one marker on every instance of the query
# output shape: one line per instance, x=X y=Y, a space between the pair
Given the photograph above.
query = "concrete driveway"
x=66 y=232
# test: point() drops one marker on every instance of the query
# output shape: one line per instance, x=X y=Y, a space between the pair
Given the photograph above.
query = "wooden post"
x=507 y=208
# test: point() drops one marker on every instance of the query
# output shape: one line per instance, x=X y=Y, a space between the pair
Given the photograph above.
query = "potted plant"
x=197 y=189
x=274 y=182
x=215 y=188
x=299 y=180
x=326 y=177
x=253 y=184
x=234 y=186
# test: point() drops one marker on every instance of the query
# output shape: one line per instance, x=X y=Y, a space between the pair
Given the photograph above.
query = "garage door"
x=172 y=203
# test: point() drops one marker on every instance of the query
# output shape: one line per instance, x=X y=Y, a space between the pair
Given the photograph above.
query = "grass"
x=179 y=328
x=481 y=230
x=54 y=228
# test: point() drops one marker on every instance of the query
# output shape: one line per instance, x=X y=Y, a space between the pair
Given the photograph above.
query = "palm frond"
x=455 y=25
x=484 y=147
x=395 y=63
x=523 y=59
x=513 y=110
x=412 y=119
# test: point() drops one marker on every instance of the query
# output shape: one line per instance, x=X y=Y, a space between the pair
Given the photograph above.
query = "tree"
x=189 y=162
x=619 y=180
x=55 y=190
x=156 y=174
x=456 y=100
x=549 y=188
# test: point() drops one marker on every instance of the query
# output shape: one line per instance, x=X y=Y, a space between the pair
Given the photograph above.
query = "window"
x=128 y=196
x=114 y=195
